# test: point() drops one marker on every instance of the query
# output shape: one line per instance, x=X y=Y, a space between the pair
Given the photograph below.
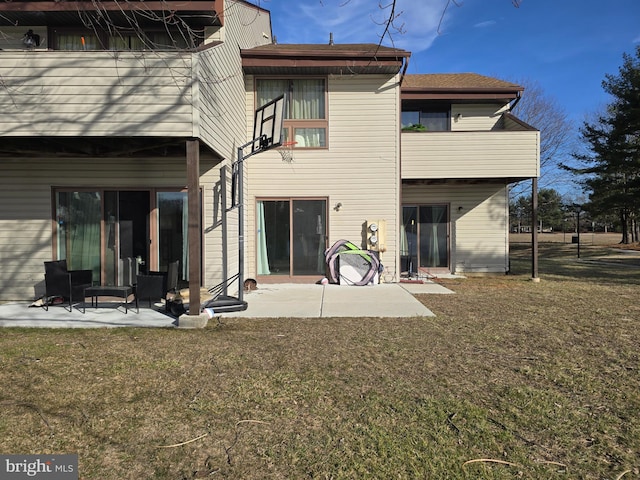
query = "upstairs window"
x=305 y=118
x=425 y=118
x=124 y=40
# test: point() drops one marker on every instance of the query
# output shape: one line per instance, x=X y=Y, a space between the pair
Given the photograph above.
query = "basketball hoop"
x=286 y=151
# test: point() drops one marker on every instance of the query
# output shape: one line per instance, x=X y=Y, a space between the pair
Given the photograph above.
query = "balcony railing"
x=492 y=154
x=96 y=93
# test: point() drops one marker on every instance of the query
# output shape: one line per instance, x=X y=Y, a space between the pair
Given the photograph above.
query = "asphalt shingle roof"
x=453 y=81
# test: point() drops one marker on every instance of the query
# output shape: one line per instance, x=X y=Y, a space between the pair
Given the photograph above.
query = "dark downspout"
x=515 y=102
x=398 y=260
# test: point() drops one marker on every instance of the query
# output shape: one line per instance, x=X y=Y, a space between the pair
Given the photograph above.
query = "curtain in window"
x=307 y=99
x=263 y=255
x=79 y=215
x=434 y=236
x=126 y=42
x=267 y=90
x=310 y=137
x=74 y=42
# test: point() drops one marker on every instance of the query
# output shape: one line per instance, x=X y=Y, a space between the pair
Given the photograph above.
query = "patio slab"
x=391 y=300
x=107 y=315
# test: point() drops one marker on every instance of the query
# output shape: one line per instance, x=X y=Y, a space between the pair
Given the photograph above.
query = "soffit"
x=98 y=147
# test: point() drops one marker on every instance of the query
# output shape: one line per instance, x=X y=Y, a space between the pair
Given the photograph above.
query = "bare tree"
x=556 y=131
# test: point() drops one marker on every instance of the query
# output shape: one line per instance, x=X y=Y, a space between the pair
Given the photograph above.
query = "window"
x=123 y=40
x=425 y=118
x=306 y=115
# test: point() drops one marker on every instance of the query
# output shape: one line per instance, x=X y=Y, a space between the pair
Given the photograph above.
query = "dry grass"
x=511 y=379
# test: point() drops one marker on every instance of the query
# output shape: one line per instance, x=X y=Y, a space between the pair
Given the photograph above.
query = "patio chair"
x=66 y=284
x=153 y=289
x=150 y=287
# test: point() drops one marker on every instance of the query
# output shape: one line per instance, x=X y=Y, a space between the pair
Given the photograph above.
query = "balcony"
x=511 y=153
x=96 y=93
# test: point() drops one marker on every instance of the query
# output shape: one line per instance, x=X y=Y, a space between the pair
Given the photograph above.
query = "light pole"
x=578 y=209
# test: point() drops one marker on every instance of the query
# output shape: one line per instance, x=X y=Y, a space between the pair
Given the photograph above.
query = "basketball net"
x=286 y=151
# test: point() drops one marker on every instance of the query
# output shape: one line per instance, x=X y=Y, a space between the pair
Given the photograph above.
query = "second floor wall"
x=131 y=93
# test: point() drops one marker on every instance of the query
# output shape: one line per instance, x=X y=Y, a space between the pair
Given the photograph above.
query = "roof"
x=309 y=59
x=458 y=85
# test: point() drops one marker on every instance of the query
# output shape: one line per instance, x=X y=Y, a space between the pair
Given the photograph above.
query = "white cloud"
x=358 y=21
x=488 y=23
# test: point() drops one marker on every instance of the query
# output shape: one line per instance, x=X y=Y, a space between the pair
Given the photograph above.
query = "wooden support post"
x=194 y=227
x=534 y=229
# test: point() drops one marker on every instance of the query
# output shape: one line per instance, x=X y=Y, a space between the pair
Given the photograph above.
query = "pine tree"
x=611 y=168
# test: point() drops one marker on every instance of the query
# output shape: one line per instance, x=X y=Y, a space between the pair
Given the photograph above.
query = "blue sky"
x=566 y=46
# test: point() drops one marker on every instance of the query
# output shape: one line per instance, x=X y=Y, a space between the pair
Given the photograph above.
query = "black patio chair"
x=66 y=284
x=150 y=287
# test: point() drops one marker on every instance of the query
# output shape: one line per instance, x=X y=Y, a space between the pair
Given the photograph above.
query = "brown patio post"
x=534 y=230
x=195 y=319
x=193 y=186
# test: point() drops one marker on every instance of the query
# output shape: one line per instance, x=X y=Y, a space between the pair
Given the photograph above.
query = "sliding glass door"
x=120 y=233
x=425 y=237
x=173 y=242
x=291 y=237
x=78 y=220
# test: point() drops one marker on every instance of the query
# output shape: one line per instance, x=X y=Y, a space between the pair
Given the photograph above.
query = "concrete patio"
x=392 y=300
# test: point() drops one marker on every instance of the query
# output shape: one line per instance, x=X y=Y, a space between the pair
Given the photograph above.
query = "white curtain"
x=267 y=90
x=307 y=103
x=263 y=256
x=438 y=214
x=75 y=42
x=307 y=99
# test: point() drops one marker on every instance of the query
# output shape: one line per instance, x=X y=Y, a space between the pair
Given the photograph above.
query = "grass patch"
x=521 y=379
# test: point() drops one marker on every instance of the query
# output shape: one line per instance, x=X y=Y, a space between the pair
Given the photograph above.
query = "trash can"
x=574 y=239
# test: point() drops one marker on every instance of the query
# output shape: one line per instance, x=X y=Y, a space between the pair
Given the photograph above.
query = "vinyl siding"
x=476 y=117
x=69 y=93
x=494 y=154
x=221 y=123
x=26 y=189
x=221 y=118
x=359 y=169
x=103 y=93
x=479 y=238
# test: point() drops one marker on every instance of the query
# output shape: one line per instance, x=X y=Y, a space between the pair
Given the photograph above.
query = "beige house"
x=120 y=126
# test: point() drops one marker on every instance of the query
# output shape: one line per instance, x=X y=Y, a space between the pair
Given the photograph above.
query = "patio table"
x=106 y=291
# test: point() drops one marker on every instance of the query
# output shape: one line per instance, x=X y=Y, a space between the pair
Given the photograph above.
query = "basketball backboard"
x=267 y=125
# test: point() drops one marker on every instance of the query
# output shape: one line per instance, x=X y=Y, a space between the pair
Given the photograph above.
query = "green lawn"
x=511 y=379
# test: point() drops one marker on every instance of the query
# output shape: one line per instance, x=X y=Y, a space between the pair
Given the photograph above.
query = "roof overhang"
x=99 y=147
x=322 y=60
x=463 y=181
x=195 y=13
